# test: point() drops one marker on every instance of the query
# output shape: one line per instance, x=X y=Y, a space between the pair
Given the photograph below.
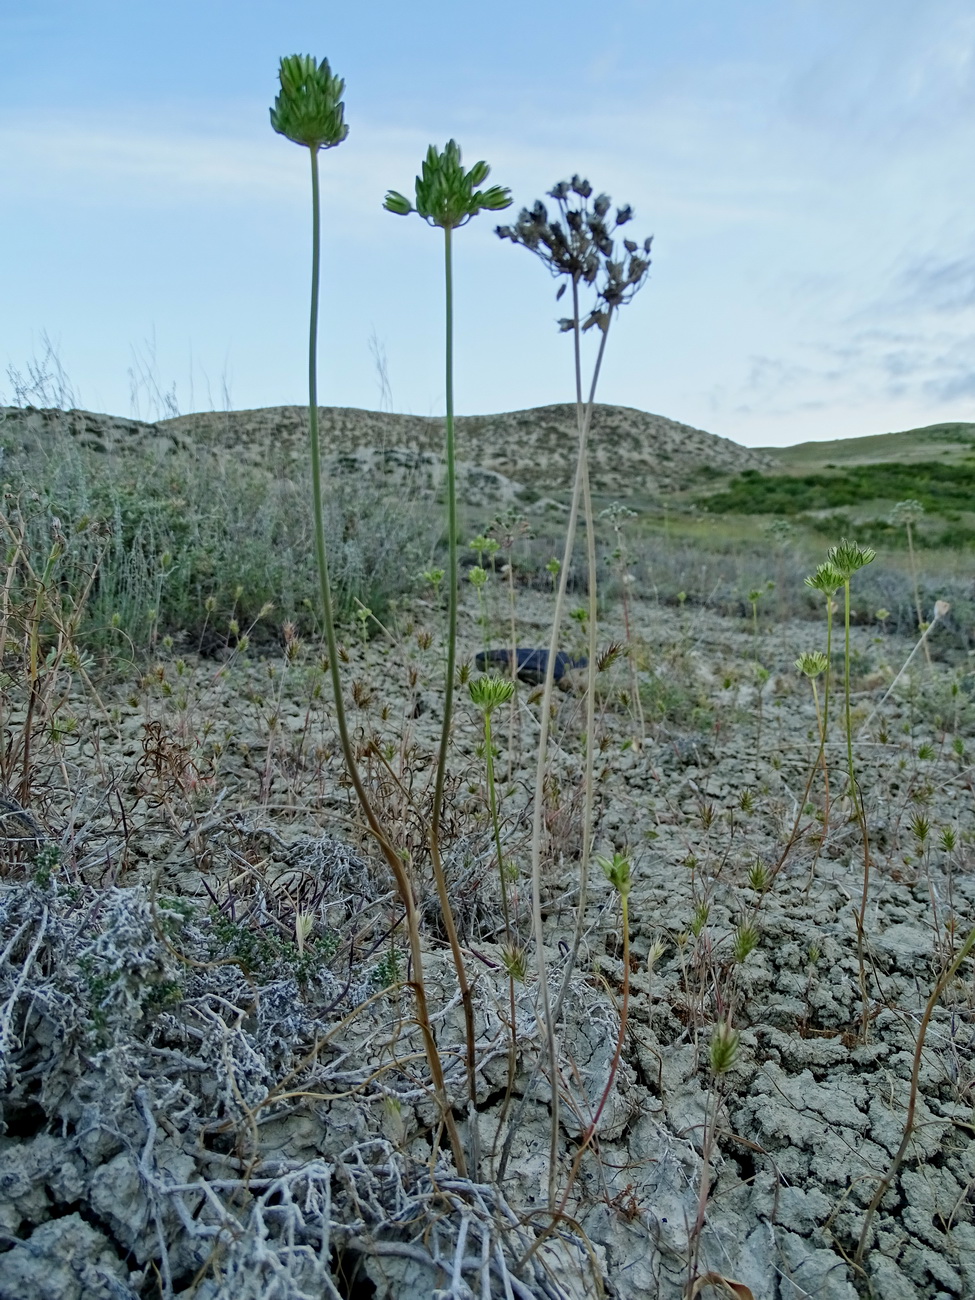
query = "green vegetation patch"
x=939 y=487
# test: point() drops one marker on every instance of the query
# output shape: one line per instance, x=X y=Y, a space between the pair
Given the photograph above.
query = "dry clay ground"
x=213 y=1085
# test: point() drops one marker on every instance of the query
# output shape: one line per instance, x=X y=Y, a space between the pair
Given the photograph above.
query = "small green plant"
x=387 y=972
x=722 y=1054
x=47 y=859
x=814 y=664
x=845 y=560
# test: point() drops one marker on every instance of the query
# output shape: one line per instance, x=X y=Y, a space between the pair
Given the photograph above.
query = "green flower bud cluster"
x=488 y=693
x=812 y=663
x=309 y=108
x=617 y=871
x=446 y=195
x=849 y=557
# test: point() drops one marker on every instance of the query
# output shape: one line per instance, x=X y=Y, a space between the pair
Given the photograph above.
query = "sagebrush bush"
x=191 y=541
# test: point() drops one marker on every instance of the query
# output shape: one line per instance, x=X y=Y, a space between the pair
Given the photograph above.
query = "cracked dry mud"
x=196 y=1104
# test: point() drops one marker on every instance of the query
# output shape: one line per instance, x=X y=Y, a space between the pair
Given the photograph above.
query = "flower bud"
x=309 y=108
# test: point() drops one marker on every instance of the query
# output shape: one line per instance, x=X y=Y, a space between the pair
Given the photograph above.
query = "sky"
x=806 y=168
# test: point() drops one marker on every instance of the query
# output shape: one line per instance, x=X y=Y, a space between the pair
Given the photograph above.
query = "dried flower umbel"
x=578 y=244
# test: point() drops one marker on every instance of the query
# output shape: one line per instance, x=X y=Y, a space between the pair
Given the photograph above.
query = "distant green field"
x=941 y=488
x=944 y=442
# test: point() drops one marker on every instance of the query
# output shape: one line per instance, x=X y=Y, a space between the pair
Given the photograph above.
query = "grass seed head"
x=724 y=1048
x=759 y=876
x=746 y=941
x=701 y=914
x=657 y=950
x=515 y=962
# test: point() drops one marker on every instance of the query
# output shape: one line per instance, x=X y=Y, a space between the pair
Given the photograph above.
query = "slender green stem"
x=826 y=699
x=917 y=593
x=846 y=687
x=548 y=1018
x=448 y=706
x=495 y=822
x=403 y=885
x=861 y=816
x=506 y=913
x=452 y=565
x=584 y=420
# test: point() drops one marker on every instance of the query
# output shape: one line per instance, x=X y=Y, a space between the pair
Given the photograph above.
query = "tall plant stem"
x=827 y=696
x=403 y=885
x=861 y=818
x=453 y=584
x=548 y=1019
x=583 y=423
x=917 y=593
x=495 y=822
x=506 y=914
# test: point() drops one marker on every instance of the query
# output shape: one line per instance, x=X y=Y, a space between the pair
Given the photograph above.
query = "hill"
x=949 y=443
x=632 y=453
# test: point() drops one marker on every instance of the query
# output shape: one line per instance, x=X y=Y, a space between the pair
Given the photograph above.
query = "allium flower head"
x=812 y=663
x=446 y=195
x=848 y=557
x=309 y=108
x=826 y=579
x=907 y=512
x=488 y=693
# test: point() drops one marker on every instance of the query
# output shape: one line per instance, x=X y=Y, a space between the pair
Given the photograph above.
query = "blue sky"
x=807 y=169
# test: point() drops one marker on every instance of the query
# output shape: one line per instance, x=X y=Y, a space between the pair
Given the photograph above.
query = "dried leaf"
x=723 y=1284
